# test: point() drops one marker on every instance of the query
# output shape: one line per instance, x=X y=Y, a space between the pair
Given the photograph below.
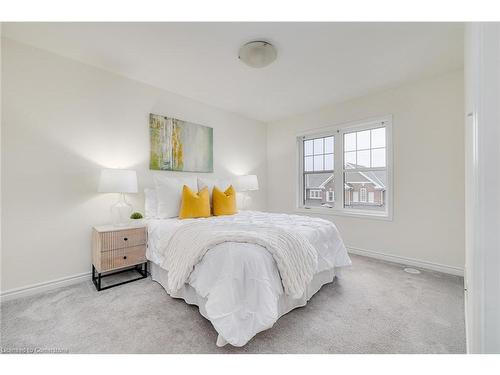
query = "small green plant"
x=136 y=215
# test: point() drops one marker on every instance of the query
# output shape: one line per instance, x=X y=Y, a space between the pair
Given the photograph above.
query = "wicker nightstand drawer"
x=119 y=258
x=115 y=248
x=122 y=238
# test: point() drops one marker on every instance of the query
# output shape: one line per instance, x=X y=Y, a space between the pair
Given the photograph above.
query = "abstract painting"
x=178 y=145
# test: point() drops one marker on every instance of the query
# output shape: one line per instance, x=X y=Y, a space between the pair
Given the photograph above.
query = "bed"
x=239 y=285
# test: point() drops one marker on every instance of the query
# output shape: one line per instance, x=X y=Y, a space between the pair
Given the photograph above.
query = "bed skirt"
x=285 y=302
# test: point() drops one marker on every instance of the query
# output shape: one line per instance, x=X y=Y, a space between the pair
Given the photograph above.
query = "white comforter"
x=241 y=281
x=294 y=255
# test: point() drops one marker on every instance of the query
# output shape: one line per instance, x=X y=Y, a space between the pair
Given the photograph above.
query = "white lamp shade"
x=247 y=183
x=118 y=181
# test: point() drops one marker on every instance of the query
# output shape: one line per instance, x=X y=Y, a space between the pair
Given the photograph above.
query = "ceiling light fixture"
x=411 y=270
x=257 y=53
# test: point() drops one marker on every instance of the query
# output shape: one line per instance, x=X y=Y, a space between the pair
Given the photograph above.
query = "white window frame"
x=338 y=132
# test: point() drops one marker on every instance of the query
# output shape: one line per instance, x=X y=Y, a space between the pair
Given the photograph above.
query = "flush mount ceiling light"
x=257 y=54
x=411 y=270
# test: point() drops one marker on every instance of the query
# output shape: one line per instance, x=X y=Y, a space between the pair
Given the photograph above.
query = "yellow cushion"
x=194 y=205
x=224 y=202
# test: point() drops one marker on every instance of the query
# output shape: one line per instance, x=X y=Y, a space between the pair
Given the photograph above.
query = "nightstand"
x=116 y=250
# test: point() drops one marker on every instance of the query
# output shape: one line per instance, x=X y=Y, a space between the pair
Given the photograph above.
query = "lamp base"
x=245 y=200
x=121 y=211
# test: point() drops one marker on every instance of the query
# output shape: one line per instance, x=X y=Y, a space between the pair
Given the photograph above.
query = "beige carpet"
x=374 y=308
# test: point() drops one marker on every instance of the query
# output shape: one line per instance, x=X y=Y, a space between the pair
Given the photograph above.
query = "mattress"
x=237 y=286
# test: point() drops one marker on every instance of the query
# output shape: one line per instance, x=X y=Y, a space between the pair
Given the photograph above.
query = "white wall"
x=428 y=142
x=482 y=112
x=1 y=164
x=62 y=121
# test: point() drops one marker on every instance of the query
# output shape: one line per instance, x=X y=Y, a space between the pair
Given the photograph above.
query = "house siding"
x=378 y=195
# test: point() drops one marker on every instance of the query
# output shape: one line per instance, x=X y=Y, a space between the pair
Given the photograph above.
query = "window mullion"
x=338 y=163
x=301 y=189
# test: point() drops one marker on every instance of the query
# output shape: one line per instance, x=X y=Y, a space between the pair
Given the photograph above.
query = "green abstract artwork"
x=178 y=145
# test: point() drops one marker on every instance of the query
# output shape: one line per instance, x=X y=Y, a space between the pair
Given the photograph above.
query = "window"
x=318 y=154
x=330 y=196
x=354 y=160
x=315 y=194
x=362 y=195
x=365 y=167
x=371 y=197
x=355 y=196
x=318 y=167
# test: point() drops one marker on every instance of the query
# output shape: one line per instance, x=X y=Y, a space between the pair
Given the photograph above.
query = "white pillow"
x=222 y=184
x=150 y=203
x=169 y=194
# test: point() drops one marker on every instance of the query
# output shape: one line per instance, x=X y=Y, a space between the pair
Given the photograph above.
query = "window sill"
x=348 y=213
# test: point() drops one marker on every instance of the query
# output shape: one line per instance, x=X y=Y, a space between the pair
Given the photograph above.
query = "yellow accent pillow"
x=194 y=205
x=224 y=202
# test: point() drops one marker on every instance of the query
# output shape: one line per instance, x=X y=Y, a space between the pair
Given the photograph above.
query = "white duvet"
x=240 y=282
x=294 y=255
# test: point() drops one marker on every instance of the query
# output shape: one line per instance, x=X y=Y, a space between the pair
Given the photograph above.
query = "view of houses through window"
x=318 y=171
x=319 y=189
x=365 y=173
x=364 y=170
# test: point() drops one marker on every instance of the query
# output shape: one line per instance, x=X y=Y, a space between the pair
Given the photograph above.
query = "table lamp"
x=119 y=181
x=247 y=183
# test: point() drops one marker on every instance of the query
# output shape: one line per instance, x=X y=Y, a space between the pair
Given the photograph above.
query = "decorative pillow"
x=194 y=204
x=169 y=193
x=150 y=203
x=224 y=201
x=210 y=183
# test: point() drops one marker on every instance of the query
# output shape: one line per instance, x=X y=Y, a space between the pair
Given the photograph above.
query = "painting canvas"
x=178 y=145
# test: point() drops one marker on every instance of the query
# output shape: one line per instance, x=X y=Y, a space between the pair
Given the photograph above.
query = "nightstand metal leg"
x=96 y=280
x=141 y=269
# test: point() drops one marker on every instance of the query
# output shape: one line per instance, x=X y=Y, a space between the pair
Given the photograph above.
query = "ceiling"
x=317 y=64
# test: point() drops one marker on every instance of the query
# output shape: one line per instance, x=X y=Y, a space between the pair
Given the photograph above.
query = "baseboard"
x=457 y=271
x=43 y=287
x=70 y=280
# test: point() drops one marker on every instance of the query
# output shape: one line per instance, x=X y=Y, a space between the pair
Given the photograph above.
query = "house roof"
x=330 y=178
x=377 y=178
x=317 y=180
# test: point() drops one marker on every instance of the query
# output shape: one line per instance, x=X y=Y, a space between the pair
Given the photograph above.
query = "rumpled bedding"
x=240 y=281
